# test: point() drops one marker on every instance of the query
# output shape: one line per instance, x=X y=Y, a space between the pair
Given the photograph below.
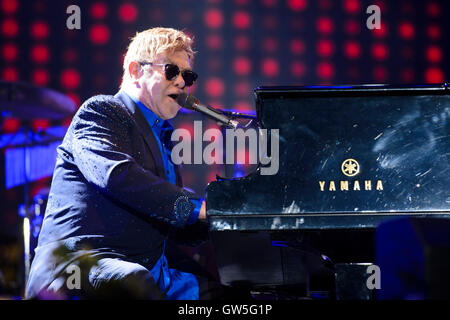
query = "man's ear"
x=135 y=71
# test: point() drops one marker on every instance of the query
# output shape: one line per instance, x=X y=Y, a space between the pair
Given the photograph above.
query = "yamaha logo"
x=350 y=168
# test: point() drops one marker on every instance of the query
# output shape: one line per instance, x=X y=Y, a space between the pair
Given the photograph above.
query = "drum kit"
x=26 y=102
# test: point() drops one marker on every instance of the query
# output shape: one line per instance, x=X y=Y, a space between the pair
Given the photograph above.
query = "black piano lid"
x=398 y=135
x=363 y=89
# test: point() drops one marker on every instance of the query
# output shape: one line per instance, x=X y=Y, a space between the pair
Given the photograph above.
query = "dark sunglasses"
x=171 y=71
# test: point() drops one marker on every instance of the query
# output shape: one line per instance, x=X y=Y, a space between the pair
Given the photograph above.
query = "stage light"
x=10 y=52
x=243 y=106
x=325 y=70
x=382 y=5
x=241 y=20
x=382 y=32
x=433 y=9
x=40 y=125
x=213 y=18
x=128 y=12
x=40 y=30
x=434 y=75
x=9 y=6
x=297 y=46
x=325 y=48
x=10 y=27
x=10 y=74
x=40 y=53
x=70 y=79
x=325 y=25
x=380 y=51
x=40 y=77
x=99 y=34
x=10 y=125
x=99 y=10
x=270 y=67
x=298 y=69
x=297 y=5
x=352 y=50
x=433 y=31
x=352 y=6
x=242 y=66
x=406 y=30
x=214 y=87
x=434 y=54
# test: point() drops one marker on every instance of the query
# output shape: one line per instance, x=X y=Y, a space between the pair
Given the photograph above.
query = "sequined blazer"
x=108 y=191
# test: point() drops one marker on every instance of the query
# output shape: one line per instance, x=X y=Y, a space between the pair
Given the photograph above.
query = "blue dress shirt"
x=174 y=283
x=163 y=130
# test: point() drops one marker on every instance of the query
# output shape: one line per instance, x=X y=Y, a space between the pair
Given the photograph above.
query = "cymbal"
x=28 y=102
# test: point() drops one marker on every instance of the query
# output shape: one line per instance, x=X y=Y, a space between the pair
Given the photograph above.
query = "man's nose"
x=179 y=81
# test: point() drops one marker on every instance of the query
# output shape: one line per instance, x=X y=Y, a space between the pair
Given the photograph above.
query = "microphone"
x=190 y=102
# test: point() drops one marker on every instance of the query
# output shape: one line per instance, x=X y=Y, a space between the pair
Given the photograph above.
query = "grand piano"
x=350 y=159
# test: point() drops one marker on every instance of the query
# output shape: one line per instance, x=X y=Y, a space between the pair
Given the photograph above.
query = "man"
x=116 y=196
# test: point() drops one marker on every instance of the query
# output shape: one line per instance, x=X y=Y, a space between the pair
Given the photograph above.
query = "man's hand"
x=202 y=214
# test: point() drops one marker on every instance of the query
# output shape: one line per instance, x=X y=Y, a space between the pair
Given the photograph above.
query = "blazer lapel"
x=144 y=129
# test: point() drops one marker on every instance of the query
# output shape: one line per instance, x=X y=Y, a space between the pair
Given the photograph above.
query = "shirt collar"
x=155 y=122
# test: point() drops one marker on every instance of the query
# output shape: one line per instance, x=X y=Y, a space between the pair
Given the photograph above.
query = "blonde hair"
x=146 y=45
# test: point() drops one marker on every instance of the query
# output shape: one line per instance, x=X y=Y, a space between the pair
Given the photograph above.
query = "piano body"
x=350 y=159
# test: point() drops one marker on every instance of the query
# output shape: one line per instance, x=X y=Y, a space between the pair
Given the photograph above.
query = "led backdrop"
x=240 y=44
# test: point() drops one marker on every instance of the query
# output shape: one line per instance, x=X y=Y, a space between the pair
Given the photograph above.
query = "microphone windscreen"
x=187 y=101
x=181 y=99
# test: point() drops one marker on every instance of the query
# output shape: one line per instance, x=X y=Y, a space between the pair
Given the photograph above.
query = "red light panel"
x=99 y=34
x=128 y=12
x=213 y=18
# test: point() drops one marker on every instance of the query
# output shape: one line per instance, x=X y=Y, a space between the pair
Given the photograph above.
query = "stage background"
x=240 y=44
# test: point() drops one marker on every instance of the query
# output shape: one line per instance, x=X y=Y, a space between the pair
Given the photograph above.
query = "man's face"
x=157 y=93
